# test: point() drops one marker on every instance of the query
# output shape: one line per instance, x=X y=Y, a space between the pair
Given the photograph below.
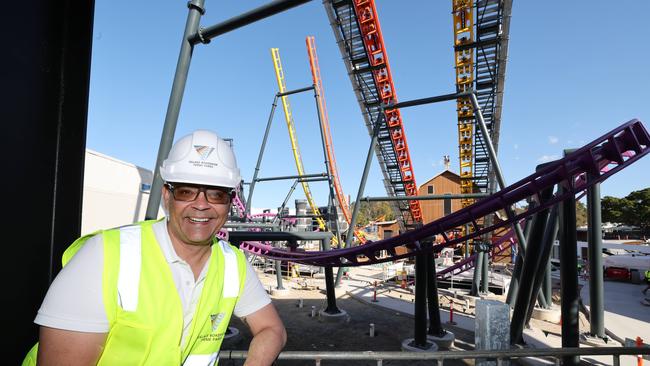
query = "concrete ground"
x=391 y=310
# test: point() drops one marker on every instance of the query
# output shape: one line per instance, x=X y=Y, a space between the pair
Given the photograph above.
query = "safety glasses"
x=188 y=192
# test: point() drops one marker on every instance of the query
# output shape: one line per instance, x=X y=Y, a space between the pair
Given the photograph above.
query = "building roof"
x=437 y=175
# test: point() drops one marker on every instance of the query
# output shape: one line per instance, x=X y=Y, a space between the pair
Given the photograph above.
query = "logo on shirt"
x=203 y=151
x=216 y=320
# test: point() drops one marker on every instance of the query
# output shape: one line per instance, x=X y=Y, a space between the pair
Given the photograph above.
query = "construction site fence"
x=555 y=354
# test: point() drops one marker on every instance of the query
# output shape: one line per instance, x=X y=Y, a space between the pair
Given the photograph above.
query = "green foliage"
x=581 y=214
x=633 y=209
x=374 y=211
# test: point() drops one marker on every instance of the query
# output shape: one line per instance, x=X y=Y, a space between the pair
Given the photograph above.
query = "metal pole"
x=569 y=277
x=286 y=199
x=596 y=299
x=547 y=285
x=526 y=295
x=427 y=197
x=364 y=177
x=420 y=310
x=476 y=278
x=264 y=11
x=496 y=167
x=466 y=242
x=362 y=186
x=174 y=106
x=485 y=279
x=550 y=232
x=329 y=284
x=519 y=261
x=260 y=155
x=287 y=177
x=330 y=208
x=435 y=326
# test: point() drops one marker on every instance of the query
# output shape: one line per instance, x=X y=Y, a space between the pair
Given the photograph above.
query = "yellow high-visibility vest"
x=144 y=309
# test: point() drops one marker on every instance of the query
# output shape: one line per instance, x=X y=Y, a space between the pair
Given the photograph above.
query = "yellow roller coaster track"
x=325 y=125
x=279 y=74
x=463 y=13
x=464 y=59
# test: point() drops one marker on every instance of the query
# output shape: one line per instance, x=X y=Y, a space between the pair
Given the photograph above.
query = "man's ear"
x=165 y=194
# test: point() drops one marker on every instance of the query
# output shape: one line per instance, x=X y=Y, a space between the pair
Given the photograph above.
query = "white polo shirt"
x=74 y=300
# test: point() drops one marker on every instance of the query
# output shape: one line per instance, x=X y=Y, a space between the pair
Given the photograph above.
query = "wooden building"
x=446 y=182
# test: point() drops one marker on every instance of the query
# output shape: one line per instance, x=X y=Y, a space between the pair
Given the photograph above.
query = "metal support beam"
x=550 y=232
x=496 y=167
x=295 y=91
x=476 y=278
x=331 y=208
x=362 y=186
x=527 y=295
x=264 y=11
x=260 y=155
x=427 y=197
x=287 y=177
x=420 y=338
x=519 y=261
x=364 y=177
x=329 y=284
x=435 y=326
x=569 y=277
x=596 y=297
x=485 y=277
x=174 y=105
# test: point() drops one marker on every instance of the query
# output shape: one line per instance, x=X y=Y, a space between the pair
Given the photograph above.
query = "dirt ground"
x=307 y=333
x=313 y=334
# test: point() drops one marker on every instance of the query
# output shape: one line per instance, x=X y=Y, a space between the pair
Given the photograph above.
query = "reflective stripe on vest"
x=128 y=282
x=202 y=360
x=231 y=274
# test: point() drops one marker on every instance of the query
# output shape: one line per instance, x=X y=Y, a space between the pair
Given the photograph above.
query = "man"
x=161 y=292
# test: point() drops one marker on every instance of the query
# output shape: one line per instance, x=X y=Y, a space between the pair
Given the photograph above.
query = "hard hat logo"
x=203 y=151
x=201 y=158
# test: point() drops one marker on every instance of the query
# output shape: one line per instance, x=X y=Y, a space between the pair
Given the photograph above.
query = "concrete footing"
x=446 y=341
x=408 y=345
x=552 y=315
x=341 y=317
x=280 y=292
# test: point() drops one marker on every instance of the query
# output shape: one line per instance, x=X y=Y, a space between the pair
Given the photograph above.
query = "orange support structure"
x=329 y=148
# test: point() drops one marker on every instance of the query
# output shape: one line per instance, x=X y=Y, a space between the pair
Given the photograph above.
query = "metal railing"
x=440 y=357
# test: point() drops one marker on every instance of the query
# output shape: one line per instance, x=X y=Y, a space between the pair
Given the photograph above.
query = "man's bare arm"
x=65 y=347
x=269 y=336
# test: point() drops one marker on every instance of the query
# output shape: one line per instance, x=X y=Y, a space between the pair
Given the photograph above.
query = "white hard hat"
x=203 y=158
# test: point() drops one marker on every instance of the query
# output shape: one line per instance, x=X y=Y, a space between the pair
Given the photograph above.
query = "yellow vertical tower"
x=279 y=75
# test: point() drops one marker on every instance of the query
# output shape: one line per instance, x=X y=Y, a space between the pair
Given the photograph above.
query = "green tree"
x=637 y=210
x=633 y=209
x=371 y=211
x=611 y=209
x=581 y=214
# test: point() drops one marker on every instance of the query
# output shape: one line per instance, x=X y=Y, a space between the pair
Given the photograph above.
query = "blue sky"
x=575 y=71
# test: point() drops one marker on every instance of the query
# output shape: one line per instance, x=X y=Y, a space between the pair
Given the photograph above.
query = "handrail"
x=441 y=356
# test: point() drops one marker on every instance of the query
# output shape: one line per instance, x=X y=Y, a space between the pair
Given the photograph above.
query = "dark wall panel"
x=45 y=76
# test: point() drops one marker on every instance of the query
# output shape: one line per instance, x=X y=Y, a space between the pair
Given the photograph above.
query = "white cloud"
x=516 y=146
x=553 y=140
x=547 y=158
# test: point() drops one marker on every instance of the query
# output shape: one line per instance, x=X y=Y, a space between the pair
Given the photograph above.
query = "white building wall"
x=115 y=193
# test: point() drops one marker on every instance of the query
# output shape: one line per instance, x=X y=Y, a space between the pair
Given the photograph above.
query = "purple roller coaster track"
x=602 y=157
